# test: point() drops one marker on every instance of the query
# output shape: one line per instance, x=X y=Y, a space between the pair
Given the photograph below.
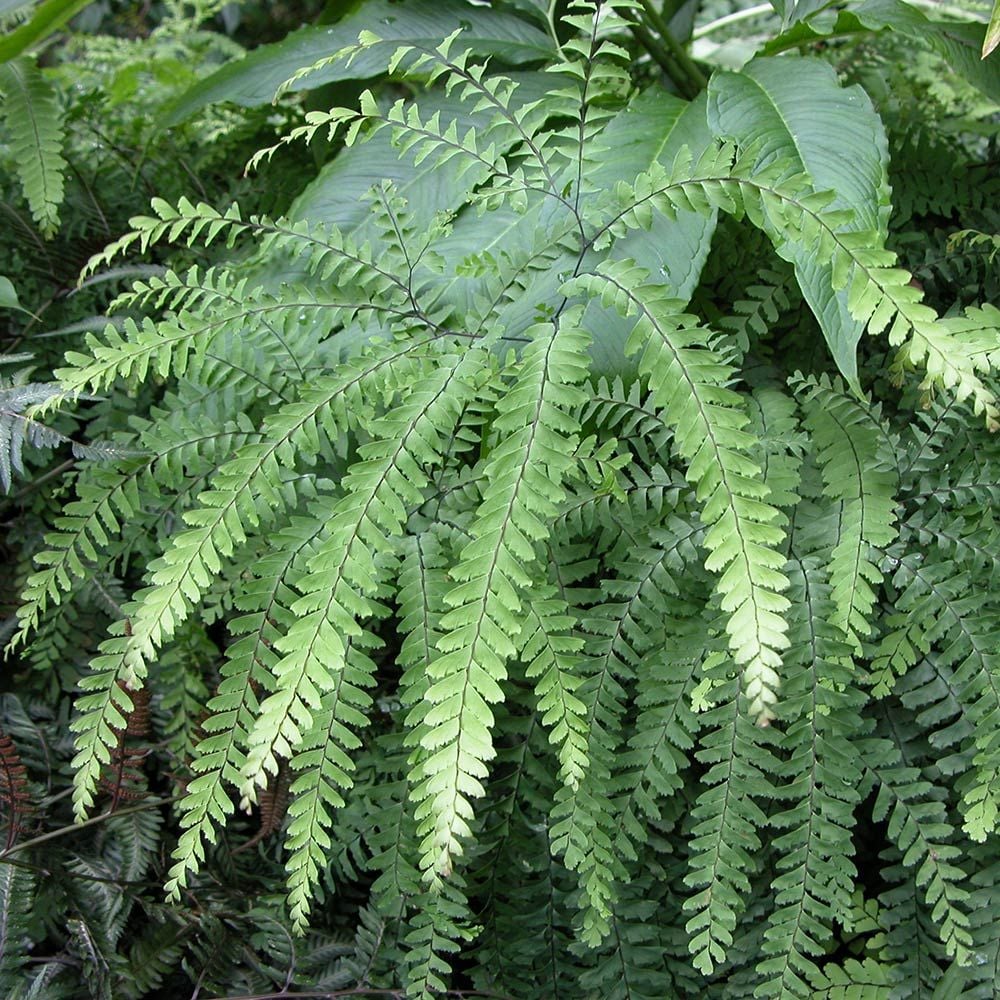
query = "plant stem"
x=63 y=830
x=550 y=17
x=762 y=9
x=677 y=51
x=662 y=58
x=366 y=991
x=734 y=18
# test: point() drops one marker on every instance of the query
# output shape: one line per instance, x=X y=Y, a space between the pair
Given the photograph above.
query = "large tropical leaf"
x=961 y=44
x=992 y=39
x=798 y=113
x=337 y=195
x=791 y=11
x=254 y=80
x=8 y=295
x=50 y=16
x=653 y=129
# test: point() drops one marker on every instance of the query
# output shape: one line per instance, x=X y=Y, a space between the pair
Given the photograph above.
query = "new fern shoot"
x=589 y=593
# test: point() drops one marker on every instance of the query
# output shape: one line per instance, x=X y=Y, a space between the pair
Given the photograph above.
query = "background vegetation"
x=530 y=535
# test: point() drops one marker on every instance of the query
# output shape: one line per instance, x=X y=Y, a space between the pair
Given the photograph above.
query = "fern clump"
x=586 y=633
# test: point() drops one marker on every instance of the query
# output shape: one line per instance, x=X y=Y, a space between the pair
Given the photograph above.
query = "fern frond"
x=594 y=825
x=244 y=497
x=631 y=966
x=582 y=818
x=336 y=592
x=440 y=924
x=154 y=955
x=552 y=654
x=859 y=473
x=689 y=380
x=816 y=880
x=523 y=475
x=390 y=834
x=33 y=118
x=345 y=571
x=17 y=887
x=854 y=980
x=133 y=843
x=109 y=496
x=328 y=252
x=984 y=905
x=179 y=344
x=934 y=608
x=221 y=753
x=422 y=586
x=651 y=768
x=323 y=769
x=613 y=408
x=955 y=353
x=912 y=948
x=15 y=793
x=507 y=149
x=989 y=242
x=595 y=67
x=918 y=825
x=18 y=427
x=727 y=817
x=754 y=316
x=782 y=446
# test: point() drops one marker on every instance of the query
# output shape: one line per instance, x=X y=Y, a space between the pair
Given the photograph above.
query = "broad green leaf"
x=992 y=39
x=960 y=43
x=255 y=80
x=8 y=295
x=799 y=114
x=49 y=17
x=9 y=300
x=653 y=129
x=791 y=11
x=337 y=195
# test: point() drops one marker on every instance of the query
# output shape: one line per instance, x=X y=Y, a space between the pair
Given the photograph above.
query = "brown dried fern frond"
x=15 y=793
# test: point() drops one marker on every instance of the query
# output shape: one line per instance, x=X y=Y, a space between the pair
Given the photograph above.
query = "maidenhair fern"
x=591 y=628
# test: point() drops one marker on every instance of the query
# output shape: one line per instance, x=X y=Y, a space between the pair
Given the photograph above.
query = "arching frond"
x=688 y=379
x=524 y=475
